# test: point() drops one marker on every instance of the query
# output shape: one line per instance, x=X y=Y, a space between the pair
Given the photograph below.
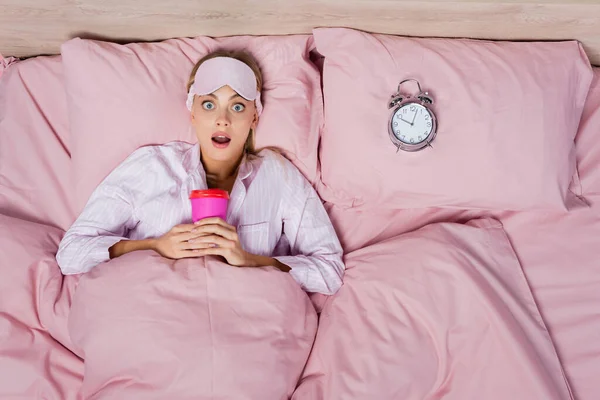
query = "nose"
x=223 y=119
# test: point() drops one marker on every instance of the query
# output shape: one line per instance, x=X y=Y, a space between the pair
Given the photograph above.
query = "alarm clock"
x=412 y=124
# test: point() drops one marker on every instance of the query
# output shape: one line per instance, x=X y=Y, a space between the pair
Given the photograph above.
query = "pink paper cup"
x=209 y=203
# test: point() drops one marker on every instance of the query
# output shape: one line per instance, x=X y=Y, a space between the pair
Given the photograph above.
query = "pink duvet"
x=153 y=328
x=147 y=327
x=442 y=312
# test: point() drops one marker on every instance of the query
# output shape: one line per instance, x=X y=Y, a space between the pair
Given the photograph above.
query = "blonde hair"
x=247 y=59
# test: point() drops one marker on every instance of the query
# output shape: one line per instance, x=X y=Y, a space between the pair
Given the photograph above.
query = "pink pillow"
x=122 y=97
x=587 y=141
x=507 y=115
x=35 y=163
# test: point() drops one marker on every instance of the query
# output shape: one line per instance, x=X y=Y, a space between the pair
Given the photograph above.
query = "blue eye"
x=208 y=105
x=239 y=107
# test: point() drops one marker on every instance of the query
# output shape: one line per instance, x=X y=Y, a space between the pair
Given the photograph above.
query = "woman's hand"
x=175 y=243
x=213 y=236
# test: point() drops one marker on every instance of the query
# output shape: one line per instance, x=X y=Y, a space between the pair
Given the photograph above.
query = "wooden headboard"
x=34 y=27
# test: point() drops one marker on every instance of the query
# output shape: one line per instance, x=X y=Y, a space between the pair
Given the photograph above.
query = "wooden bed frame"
x=35 y=27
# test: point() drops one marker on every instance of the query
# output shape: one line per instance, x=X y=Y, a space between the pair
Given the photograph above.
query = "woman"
x=275 y=216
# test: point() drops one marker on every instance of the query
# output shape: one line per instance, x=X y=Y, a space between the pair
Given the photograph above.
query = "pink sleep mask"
x=217 y=72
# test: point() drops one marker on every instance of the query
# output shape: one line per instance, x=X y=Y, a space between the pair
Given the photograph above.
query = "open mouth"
x=220 y=139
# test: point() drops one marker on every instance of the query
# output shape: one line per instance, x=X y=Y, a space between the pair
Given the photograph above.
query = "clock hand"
x=413 y=120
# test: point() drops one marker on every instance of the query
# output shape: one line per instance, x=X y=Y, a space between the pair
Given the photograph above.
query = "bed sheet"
x=558 y=251
x=37 y=358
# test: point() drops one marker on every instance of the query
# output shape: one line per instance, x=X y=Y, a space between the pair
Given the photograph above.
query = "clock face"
x=412 y=124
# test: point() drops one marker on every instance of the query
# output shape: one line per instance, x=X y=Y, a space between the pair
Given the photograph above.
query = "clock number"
x=412 y=140
x=412 y=108
x=420 y=138
x=428 y=124
x=395 y=123
x=404 y=110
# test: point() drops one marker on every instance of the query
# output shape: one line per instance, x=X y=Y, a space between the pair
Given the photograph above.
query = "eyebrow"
x=232 y=97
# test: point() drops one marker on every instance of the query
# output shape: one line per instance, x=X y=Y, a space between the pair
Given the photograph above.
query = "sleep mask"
x=217 y=72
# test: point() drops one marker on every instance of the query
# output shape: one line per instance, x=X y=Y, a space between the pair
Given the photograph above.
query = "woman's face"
x=223 y=120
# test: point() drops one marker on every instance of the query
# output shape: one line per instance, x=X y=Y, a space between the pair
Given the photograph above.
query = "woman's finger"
x=215 y=221
x=185 y=236
x=216 y=230
x=213 y=251
x=183 y=228
x=198 y=246
x=207 y=241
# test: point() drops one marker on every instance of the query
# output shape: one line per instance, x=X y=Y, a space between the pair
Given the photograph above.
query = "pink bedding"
x=558 y=253
x=441 y=312
x=36 y=357
x=35 y=162
x=149 y=327
x=47 y=321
